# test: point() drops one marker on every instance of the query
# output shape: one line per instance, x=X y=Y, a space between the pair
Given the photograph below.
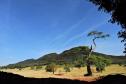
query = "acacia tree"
x=117 y=10
x=95 y=35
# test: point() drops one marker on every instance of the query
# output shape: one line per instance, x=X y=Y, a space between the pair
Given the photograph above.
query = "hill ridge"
x=66 y=56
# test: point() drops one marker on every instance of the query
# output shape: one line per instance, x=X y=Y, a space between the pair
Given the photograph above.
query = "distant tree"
x=32 y=67
x=19 y=67
x=51 y=68
x=79 y=62
x=67 y=68
x=38 y=67
x=95 y=35
x=120 y=64
x=0 y=68
x=100 y=62
x=124 y=65
x=117 y=10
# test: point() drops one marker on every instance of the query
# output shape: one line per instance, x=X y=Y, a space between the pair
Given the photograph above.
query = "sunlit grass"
x=75 y=72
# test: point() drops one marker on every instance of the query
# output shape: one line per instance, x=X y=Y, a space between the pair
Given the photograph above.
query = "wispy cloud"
x=70 y=29
x=83 y=33
x=64 y=34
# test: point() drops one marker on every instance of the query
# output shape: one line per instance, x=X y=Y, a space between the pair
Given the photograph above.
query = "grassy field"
x=75 y=72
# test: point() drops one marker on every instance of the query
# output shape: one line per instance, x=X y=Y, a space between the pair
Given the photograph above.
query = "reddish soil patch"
x=85 y=78
x=89 y=79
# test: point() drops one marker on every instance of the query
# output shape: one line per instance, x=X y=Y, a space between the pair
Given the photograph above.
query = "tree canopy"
x=116 y=8
x=97 y=34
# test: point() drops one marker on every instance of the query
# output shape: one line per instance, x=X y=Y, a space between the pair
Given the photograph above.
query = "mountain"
x=66 y=56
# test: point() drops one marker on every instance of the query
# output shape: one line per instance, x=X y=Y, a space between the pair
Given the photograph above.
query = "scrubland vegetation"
x=69 y=64
x=61 y=72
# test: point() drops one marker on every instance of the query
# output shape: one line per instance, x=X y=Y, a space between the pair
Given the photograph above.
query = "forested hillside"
x=68 y=56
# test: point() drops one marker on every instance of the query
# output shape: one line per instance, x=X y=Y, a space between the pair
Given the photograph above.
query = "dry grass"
x=75 y=72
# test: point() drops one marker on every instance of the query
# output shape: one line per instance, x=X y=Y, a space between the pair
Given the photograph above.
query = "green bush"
x=38 y=67
x=78 y=66
x=51 y=68
x=100 y=62
x=32 y=67
x=120 y=64
x=67 y=68
x=79 y=62
x=100 y=66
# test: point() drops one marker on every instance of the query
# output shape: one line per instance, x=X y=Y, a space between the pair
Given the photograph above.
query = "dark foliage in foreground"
x=9 y=78
x=117 y=10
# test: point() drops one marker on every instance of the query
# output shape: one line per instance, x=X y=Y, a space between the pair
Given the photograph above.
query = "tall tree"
x=117 y=10
x=95 y=35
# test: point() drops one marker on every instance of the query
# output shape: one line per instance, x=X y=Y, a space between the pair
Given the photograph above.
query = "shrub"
x=51 y=68
x=78 y=66
x=120 y=64
x=100 y=62
x=79 y=62
x=124 y=65
x=38 y=67
x=32 y=67
x=67 y=68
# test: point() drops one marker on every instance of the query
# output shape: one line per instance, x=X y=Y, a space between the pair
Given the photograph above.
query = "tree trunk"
x=53 y=71
x=89 y=72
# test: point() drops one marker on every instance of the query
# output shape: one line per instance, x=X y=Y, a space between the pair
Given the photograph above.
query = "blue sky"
x=32 y=28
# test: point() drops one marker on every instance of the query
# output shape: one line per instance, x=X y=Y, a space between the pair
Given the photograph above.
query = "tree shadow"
x=9 y=78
